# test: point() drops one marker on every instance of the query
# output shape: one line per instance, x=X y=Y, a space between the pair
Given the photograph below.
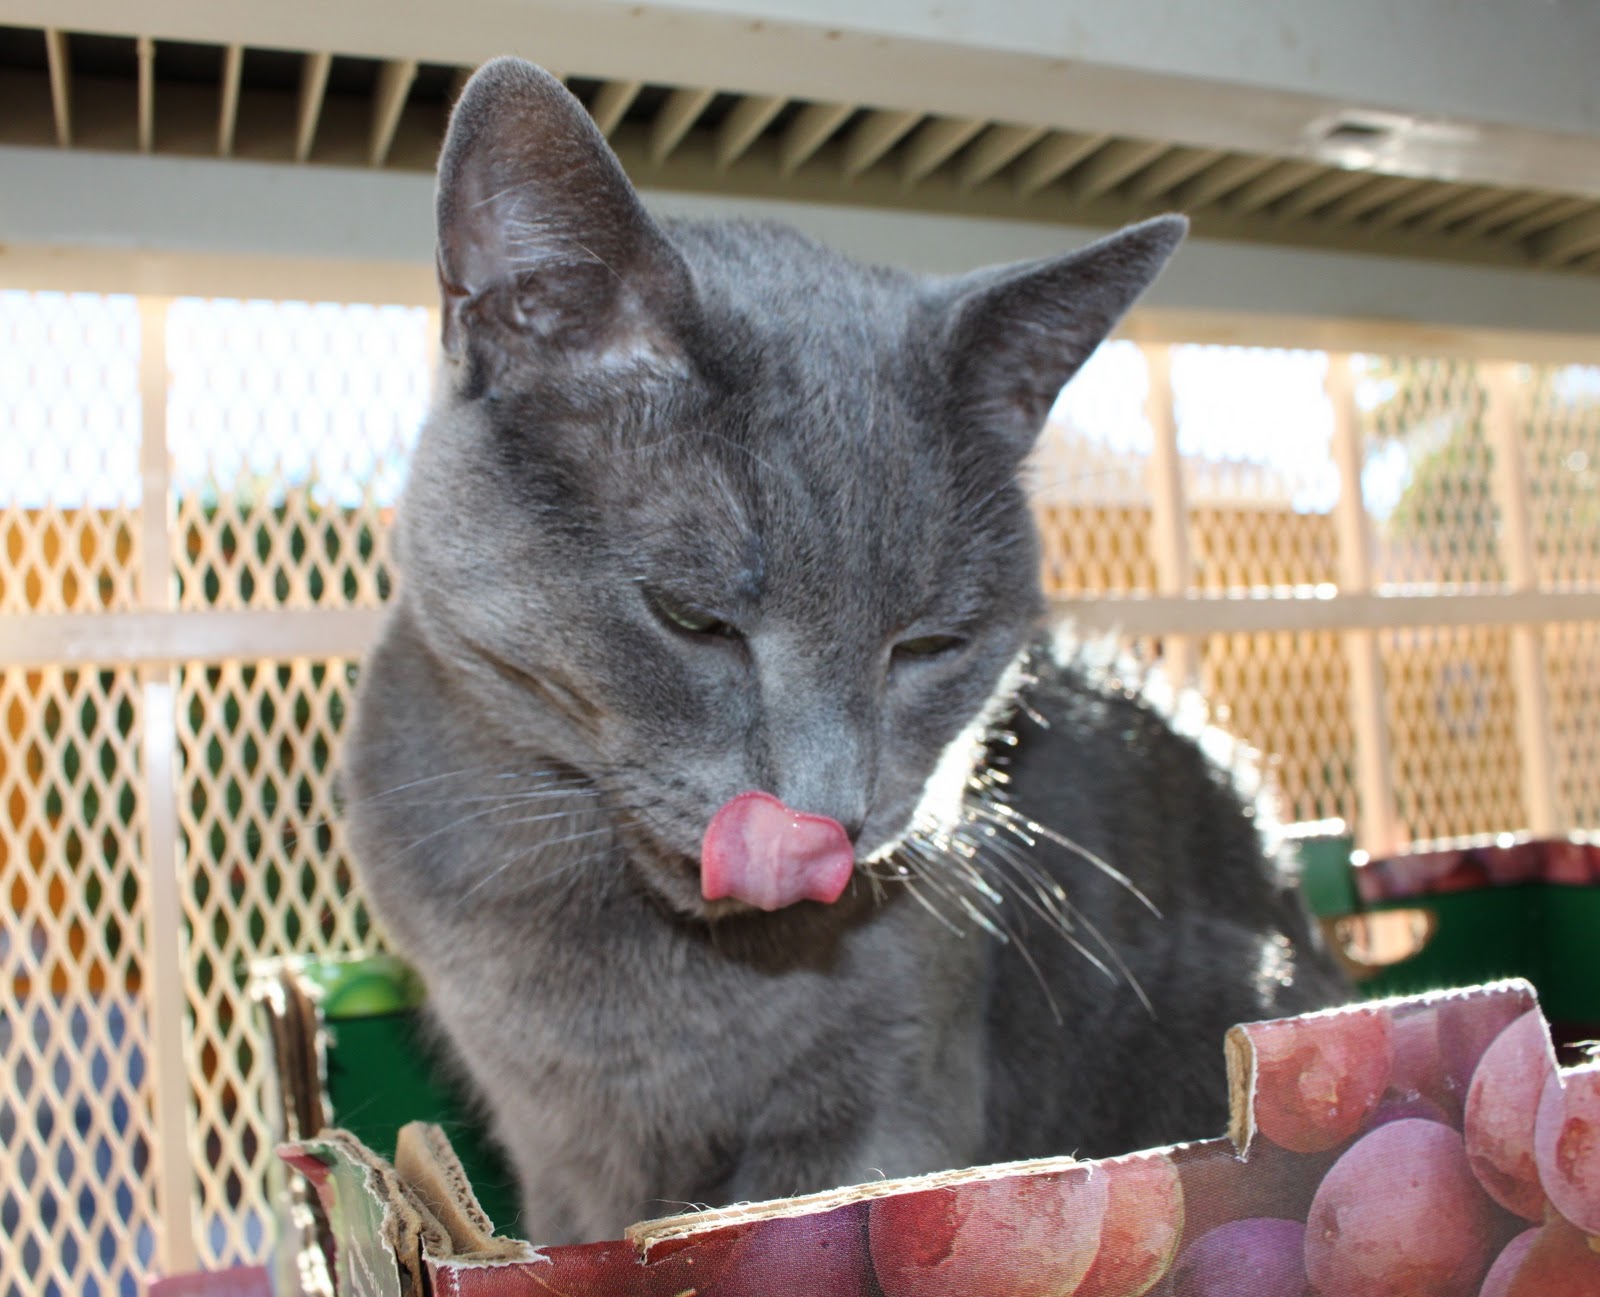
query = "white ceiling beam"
x=680 y=111
x=388 y=102
x=1053 y=157
x=1000 y=145
x=55 y=49
x=808 y=132
x=229 y=216
x=1141 y=68
x=744 y=124
x=228 y=104
x=308 y=112
x=612 y=102
x=873 y=136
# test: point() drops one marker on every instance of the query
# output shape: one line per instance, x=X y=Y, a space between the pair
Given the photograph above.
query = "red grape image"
x=822 y=1255
x=1418 y=1070
x=1497 y=1283
x=1399 y=1215
x=1219 y=1186
x=1143 y=1222
x=1468 y=1025
x=1319 y=1078
x=1022 y=1236
x=1258 y=1257
x=600 y=1269
x=1561 y=1263
x=1501 y=1106
x=1397 y=1109
x=1566 y=1145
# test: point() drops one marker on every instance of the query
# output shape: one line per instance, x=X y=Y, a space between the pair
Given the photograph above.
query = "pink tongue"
x=758 y=850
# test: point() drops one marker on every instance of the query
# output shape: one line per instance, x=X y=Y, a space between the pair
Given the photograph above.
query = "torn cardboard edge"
x=433 y=1206
x=417 y=1229
x=1240 y=1052
x=427 y=1205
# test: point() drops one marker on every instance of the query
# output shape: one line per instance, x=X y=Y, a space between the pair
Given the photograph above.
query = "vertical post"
x=1502 y=426
x=174 y=1175
x=1378 y=831
x=1169 y=516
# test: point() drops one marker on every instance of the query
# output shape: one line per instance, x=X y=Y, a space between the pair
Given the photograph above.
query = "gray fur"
x=825 y=455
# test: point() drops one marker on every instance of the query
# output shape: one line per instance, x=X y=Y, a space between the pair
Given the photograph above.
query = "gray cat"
x=710 y=767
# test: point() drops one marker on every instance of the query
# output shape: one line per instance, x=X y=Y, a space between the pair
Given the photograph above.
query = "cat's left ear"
x=1012 y=336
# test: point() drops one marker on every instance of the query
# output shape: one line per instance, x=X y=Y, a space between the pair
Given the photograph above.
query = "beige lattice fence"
x=1383 y=571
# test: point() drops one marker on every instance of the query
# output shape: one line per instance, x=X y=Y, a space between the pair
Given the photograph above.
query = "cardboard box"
x=1428 y=1147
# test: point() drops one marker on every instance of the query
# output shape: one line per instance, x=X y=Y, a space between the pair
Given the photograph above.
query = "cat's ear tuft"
x=1014 y=335
x=544 y=247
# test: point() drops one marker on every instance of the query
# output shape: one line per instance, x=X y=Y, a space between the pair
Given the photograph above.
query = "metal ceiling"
x=87 y=91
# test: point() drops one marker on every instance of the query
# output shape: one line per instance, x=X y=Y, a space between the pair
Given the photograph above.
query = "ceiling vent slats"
x=88 y=90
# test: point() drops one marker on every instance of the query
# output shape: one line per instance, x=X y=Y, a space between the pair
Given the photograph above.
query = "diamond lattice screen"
x=1426 y=480
x=69 y=452
x=289 y=424
x=1261 y=484
x=1259 y=474
x=1452 y=727
x=77 y=1205
x=1561 y=453
x=264 y=873
x=1287 y=695
x=1572 y=666
x=1088 y=482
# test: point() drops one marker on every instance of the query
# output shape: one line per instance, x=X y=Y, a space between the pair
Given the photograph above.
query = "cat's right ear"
x=1013 y=335
x=545 y=253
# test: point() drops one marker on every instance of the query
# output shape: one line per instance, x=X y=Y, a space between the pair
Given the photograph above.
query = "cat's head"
x=706 y=508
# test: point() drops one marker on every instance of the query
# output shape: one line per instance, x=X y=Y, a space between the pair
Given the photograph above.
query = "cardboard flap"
x=1309 y=1083
x=1441 y=1120
x=380 y=1232
x=432 y=1174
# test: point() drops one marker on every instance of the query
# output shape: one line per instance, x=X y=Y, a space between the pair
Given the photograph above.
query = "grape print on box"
x=1425 y=1147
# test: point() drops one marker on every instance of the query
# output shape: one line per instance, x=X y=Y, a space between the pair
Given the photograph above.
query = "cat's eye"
x=928 y=646
x=689 y=618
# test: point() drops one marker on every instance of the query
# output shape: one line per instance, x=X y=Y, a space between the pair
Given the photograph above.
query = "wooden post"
x=168 y=1001
x=1503 y=428
x=1378 y=831
x=1169 y=516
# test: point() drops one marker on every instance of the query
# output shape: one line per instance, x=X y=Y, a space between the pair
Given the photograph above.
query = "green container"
x=384 y=1070
x=1545 y=932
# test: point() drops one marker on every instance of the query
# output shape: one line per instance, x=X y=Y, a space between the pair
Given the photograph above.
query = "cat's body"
x=705 y=509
